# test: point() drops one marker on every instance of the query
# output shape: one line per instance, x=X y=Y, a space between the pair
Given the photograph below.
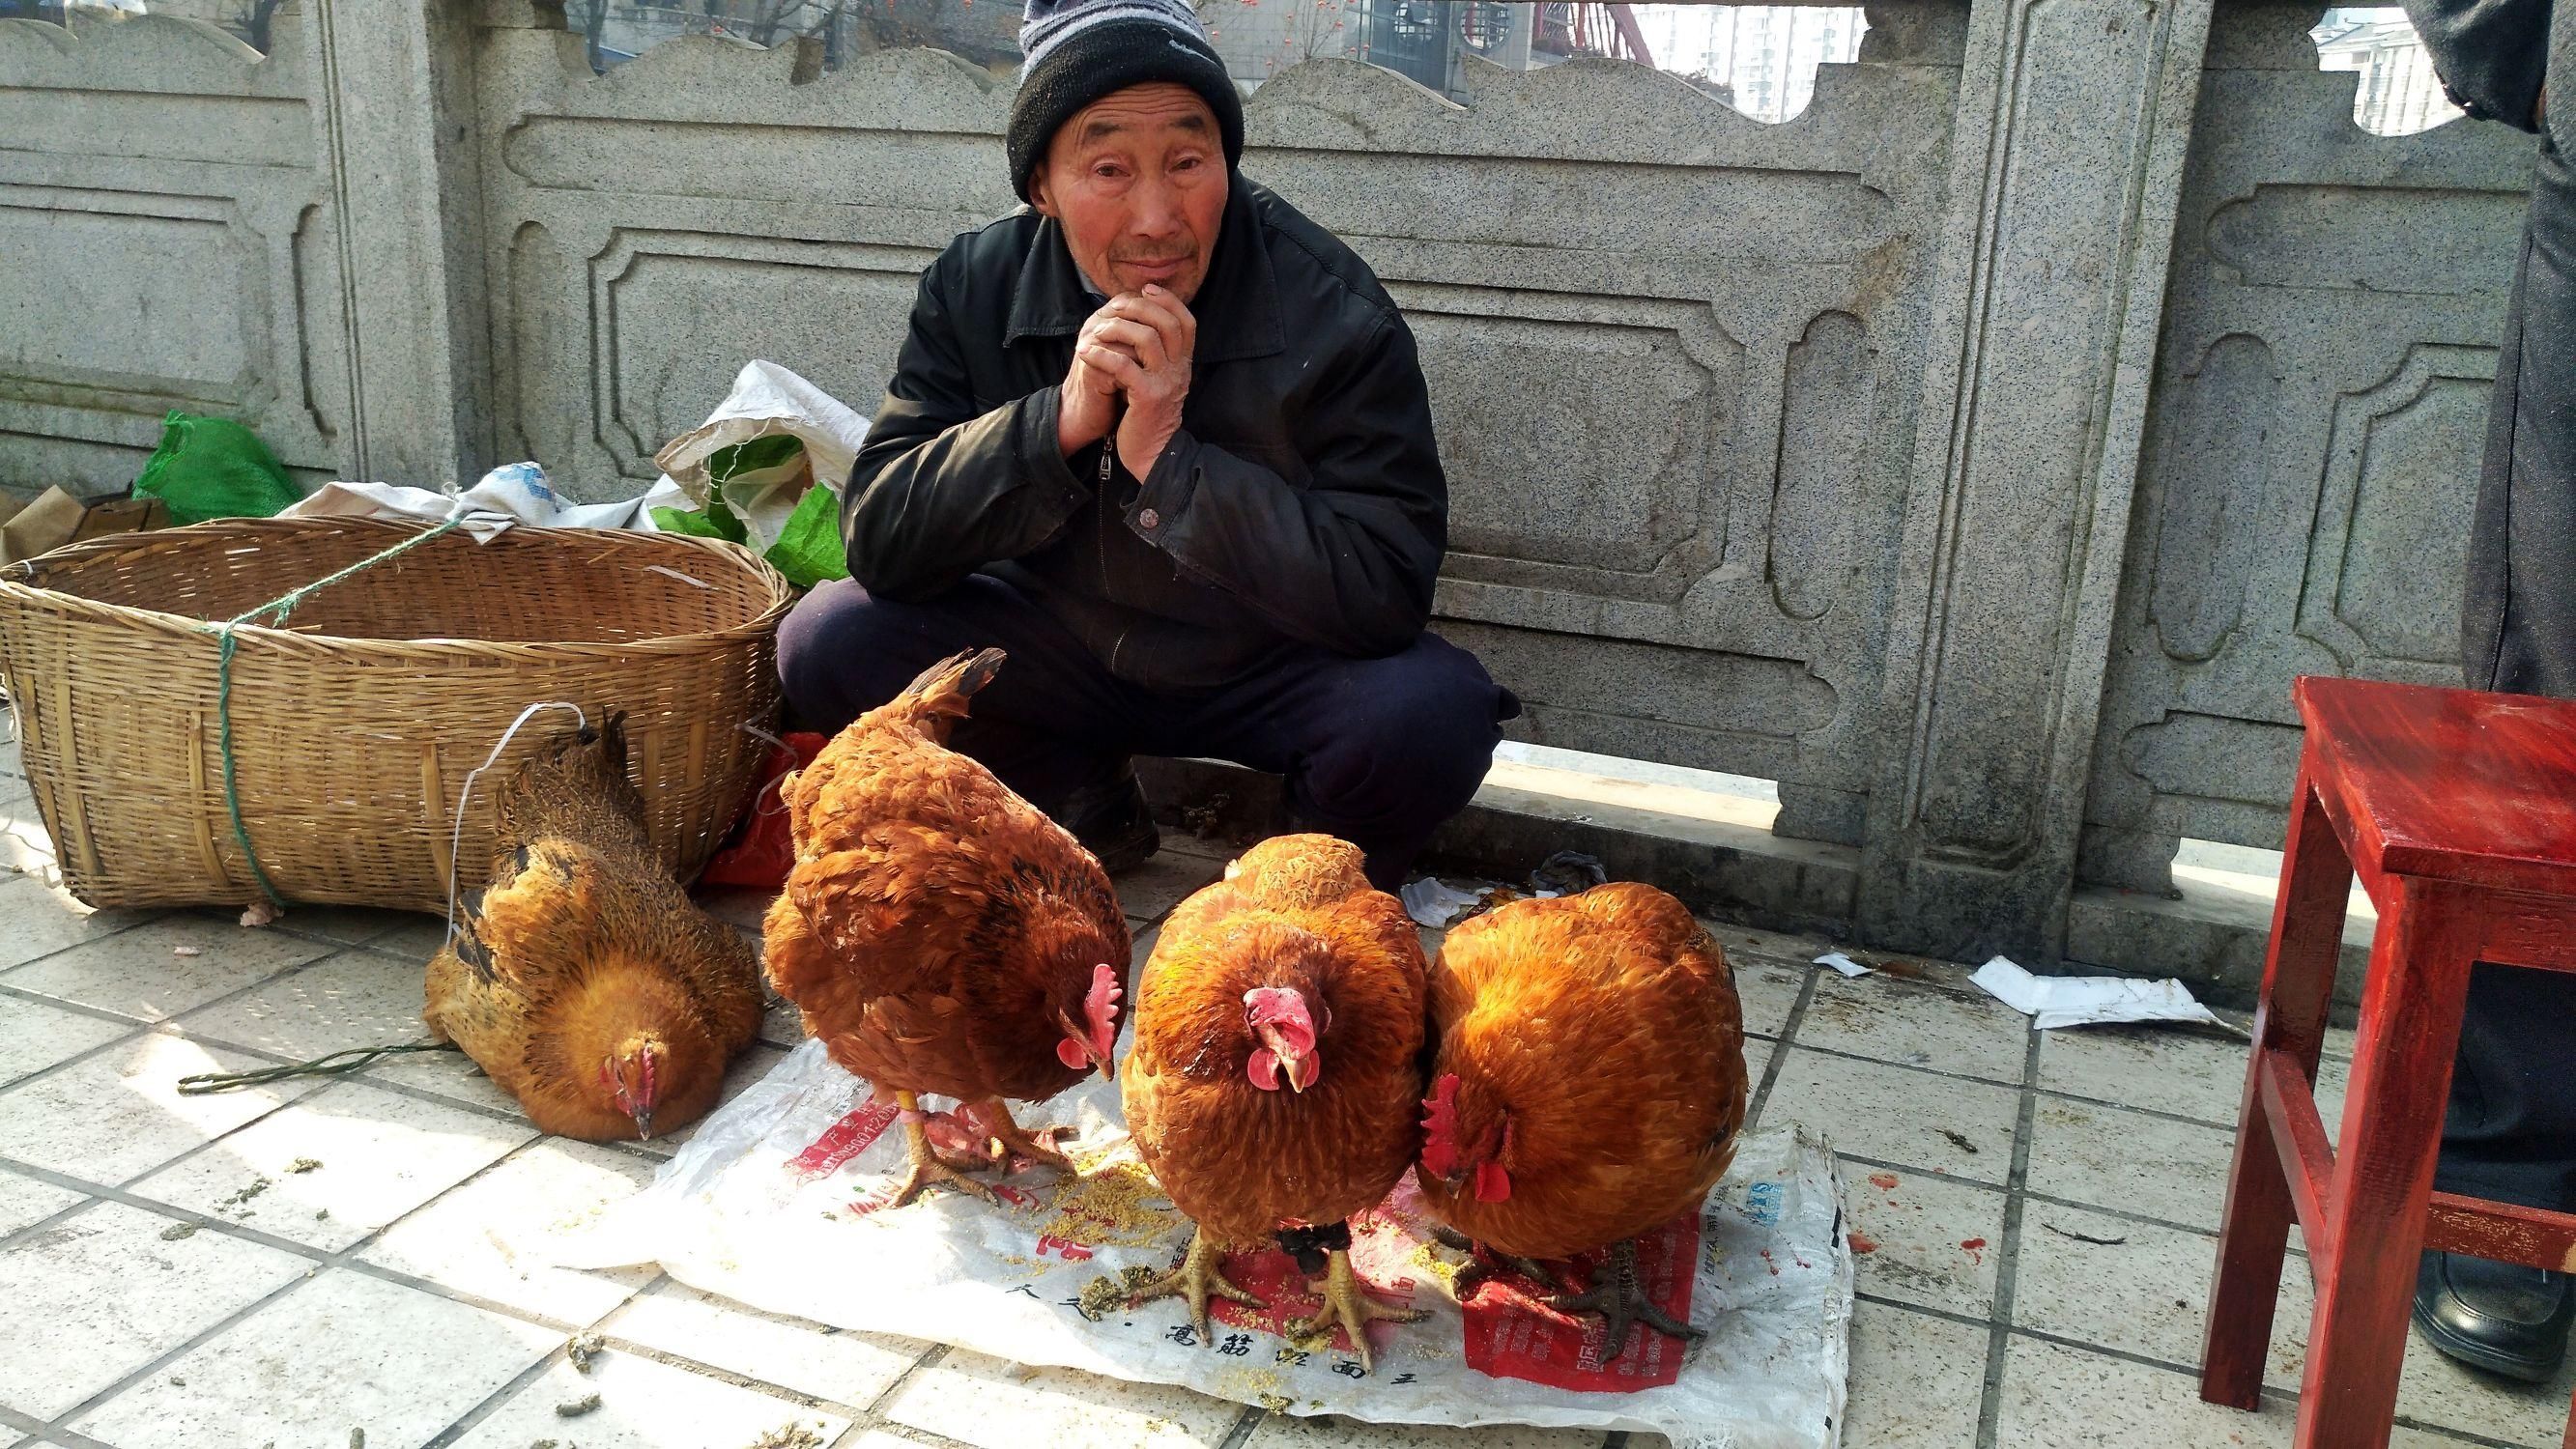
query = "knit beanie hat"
x=1080 y=50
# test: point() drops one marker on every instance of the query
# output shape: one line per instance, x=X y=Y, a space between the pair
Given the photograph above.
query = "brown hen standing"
x=1274 y=1080
x=1587 y=1084
x=940 y=934
x=585 y=982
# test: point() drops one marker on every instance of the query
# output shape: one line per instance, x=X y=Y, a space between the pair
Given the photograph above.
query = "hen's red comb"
x=1100 y=1007
x=1440 y=1127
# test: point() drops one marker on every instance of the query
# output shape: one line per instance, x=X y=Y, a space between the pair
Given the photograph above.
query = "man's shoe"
x=2499 y=1317
x=1113 y=822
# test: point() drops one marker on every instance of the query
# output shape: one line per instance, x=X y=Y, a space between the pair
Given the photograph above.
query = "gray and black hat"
x=1077 y=51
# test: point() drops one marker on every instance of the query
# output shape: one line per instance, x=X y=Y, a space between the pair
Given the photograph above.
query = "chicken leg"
x=1619 y=1298
x=1194 y=1280
x=927 y=1165
x=1349 y=1308
x=1481 y=1261
x=1005 y=1139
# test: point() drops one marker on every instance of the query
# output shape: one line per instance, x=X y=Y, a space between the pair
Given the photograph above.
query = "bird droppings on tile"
x=792 y=1436
x=1960 y=1142
x=584 y=1349
x=302 y=1165
x=577 y=1408
x=239 y=1202
x=186 y=951
x=176 y=1231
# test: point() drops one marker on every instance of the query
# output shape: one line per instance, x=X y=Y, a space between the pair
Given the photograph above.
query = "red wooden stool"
x=2458 y=811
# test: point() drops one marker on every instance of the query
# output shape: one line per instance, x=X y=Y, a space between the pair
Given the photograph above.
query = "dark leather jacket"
x=1302 y=502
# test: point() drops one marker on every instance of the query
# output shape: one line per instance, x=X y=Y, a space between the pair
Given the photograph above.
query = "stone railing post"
x=393 y=84
x=2074 y=118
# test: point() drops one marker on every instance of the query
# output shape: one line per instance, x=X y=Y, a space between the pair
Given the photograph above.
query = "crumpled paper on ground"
x=767 y=401
x=777 y=1202
x=2055 y=1001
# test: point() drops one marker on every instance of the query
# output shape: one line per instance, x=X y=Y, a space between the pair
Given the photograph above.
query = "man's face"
x=1138 y=181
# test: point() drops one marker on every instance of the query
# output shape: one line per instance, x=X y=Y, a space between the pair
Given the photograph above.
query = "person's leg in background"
x=2511 y=1130
x=1052 y=724
x=1377 y=751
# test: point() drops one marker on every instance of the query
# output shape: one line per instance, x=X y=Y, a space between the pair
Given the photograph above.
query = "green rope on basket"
x=279 y=607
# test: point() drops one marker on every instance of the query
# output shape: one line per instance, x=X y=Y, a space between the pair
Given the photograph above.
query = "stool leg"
x=2392 y=1131
x=2298 y=982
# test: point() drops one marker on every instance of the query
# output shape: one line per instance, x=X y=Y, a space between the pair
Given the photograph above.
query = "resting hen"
x=940 y=935
x=1276 y=1072
x=1587 y=1084
x=585 y=982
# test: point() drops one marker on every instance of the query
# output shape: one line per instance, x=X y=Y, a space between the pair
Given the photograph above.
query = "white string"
x=456 y=835
x=760 y=801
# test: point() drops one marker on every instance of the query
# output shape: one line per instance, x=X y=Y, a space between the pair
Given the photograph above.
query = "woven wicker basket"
x=354 y=725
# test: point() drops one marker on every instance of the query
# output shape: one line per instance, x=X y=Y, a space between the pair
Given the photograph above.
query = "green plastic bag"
x=809 y=550
x=713 y=521
x=215 y=468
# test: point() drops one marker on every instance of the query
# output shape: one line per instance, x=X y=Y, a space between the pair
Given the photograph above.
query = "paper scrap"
x=1842 y=963
x=1435 y=903
x=2055 y=1001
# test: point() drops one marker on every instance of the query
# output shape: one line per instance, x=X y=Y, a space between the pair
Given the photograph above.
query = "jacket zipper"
x=1108 y=465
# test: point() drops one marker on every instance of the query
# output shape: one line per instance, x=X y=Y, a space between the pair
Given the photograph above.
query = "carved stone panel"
x=839 y=309
x=1828 y=407
x=160 y=189
x=1588 y=441
x=2392 y=534
x=2315 y=431
x=2216 y=459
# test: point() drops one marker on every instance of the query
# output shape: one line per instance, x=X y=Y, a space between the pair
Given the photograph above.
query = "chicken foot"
x=1348 y=1307
x=1619 y=1298
x=927 y=1165
x=1005 y=1138
x=1196 y=1278
x=1481 y=1261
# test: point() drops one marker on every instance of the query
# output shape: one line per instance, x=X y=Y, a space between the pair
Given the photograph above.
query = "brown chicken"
x=1275 y=1077
x=585 y=983
x=1587 y=1084
x=941 y=935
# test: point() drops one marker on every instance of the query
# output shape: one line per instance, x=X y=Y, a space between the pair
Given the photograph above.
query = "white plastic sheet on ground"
x=775 y=1203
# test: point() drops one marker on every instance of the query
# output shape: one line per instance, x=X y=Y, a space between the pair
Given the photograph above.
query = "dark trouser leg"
x=1377 y=751
x=1048 y=724
x=2511 y=1131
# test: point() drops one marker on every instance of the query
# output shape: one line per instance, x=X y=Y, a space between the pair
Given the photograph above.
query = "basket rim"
x=18 y=589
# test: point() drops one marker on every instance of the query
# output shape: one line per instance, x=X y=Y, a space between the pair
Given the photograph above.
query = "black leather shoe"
x=2499 y=1317
x=1113 y=822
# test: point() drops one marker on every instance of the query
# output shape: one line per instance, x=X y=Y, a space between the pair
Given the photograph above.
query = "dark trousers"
x=1376 y=751
x=2511 y=1130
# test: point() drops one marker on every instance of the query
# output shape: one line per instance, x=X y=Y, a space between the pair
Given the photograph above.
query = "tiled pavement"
x=2040 y=1210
